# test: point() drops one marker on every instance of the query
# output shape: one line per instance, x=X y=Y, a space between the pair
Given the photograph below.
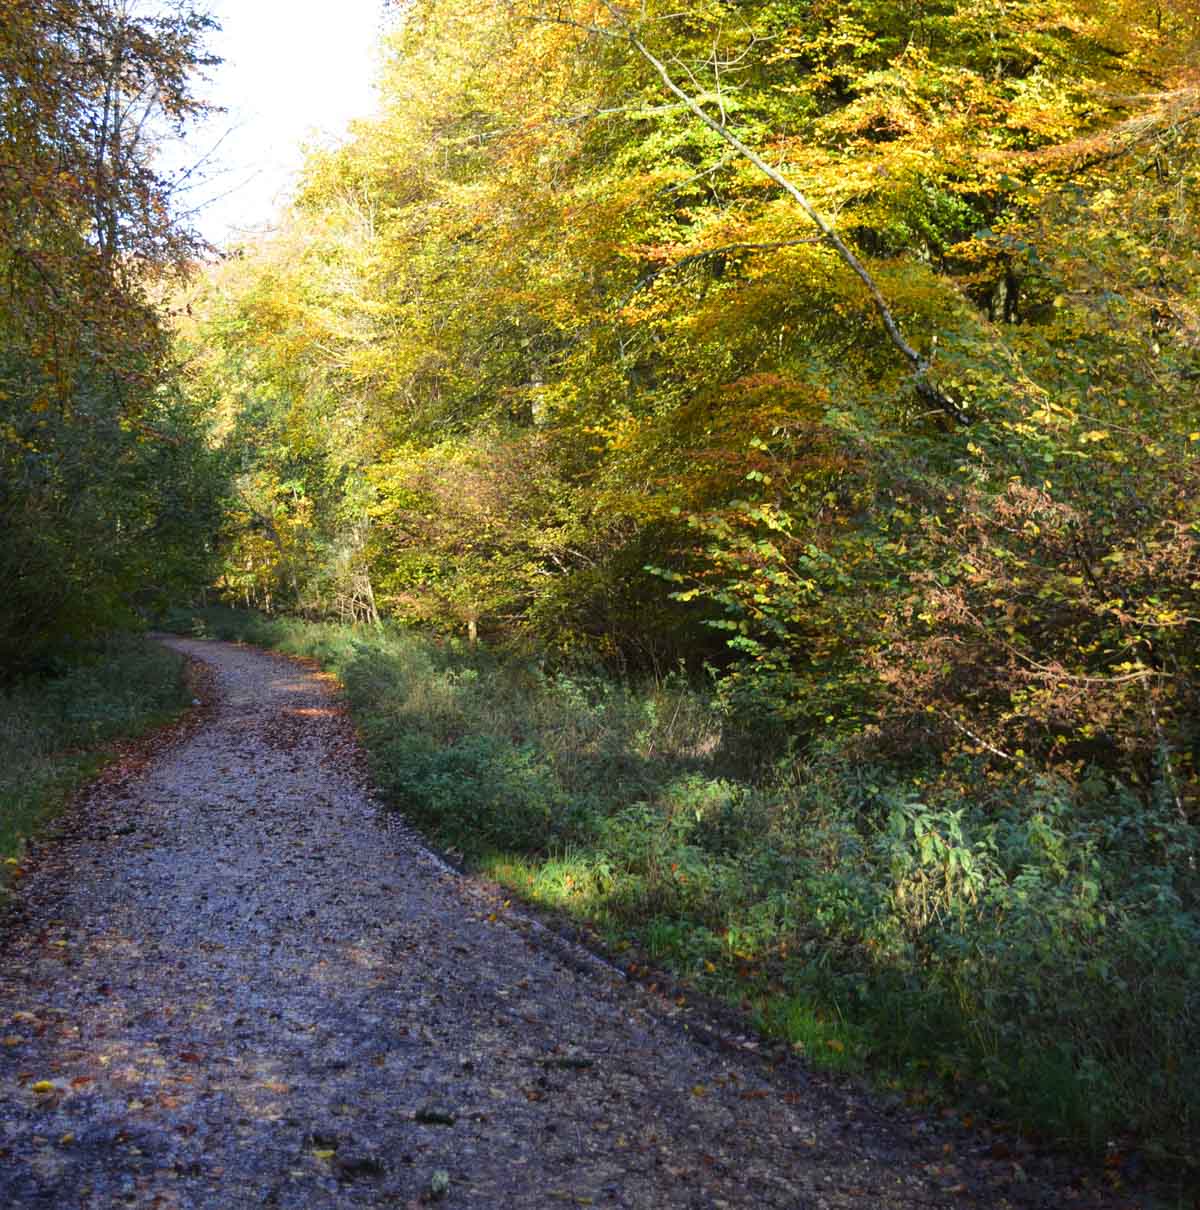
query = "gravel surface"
x=233 y=982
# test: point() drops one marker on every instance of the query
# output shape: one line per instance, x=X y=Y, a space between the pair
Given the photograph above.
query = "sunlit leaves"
x=580 y=340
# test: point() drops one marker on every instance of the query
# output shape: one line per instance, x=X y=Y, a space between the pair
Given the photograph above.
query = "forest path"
x=234 y=983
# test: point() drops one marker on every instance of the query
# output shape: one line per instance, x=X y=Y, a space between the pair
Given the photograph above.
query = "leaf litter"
x=232 y=980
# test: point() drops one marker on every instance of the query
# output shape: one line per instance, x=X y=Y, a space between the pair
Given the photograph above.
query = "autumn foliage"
x=539 y=353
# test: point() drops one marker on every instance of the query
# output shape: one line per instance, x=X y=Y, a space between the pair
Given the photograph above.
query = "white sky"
x=295 y=71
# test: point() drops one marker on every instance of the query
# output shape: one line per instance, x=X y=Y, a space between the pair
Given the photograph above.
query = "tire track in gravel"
x=235 y=984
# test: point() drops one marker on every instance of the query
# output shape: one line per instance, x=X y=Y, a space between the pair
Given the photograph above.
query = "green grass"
x=54 y=731
x=1026 y=946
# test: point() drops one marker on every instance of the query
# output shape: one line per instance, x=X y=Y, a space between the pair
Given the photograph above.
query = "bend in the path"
x=232 y=987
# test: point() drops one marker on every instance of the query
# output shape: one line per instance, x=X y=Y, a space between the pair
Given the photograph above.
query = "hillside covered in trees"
x=841 y=357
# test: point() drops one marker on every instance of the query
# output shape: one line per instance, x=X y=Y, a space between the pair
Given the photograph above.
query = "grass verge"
x=54 y=731
x=1027 y=946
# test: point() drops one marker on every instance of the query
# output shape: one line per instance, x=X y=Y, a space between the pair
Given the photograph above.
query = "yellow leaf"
x=43 y=1086
x=323 y=1154
x=1094 y=435
x=698 y=1090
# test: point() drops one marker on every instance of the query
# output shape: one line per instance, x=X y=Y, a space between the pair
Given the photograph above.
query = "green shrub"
x=477 y=794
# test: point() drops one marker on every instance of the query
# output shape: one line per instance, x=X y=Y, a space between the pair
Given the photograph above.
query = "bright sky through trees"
x=294 y=71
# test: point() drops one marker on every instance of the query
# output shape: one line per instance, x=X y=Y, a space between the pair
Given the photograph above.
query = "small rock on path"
x=234 y=985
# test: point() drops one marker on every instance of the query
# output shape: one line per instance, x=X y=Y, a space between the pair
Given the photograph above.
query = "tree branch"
x=918 y=365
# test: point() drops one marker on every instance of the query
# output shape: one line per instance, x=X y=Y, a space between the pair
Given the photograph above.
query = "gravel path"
x=232 y=984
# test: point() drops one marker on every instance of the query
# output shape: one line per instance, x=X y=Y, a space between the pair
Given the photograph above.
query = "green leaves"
x=108 y=494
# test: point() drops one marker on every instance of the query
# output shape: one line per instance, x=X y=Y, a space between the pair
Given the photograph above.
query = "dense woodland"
x=843 y=357
x=541 y=353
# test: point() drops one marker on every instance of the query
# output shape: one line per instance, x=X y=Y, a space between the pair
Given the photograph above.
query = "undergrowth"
x=1025 y=942
x=53 y=729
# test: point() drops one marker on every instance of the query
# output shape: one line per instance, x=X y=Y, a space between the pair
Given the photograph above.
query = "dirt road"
x=233 y=983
